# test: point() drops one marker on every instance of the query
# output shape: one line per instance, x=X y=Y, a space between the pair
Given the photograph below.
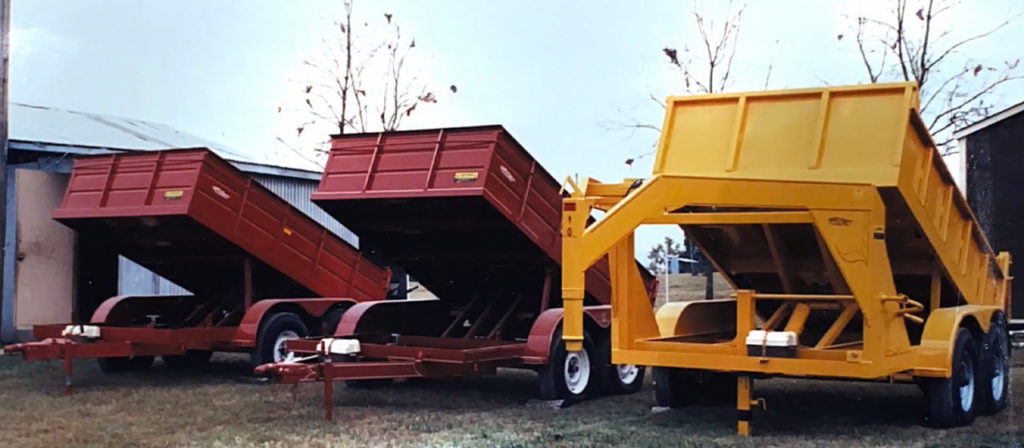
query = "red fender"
x=103 y=311
x=250 y=325
x=538 y=343
x=423 y=317
x=119 y=308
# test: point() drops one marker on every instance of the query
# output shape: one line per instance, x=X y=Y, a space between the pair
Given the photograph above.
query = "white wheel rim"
x=281 y=353
x=577 y=371
x=999 y=378
x=627 y=373
x=967 y=387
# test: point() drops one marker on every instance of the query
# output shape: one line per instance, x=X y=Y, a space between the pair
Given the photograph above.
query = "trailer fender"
x=416 y=317
x=696 y=317
x=597 y=320
x=306 y=308
x=123 y=309
x=935 y=357
x=104 y=310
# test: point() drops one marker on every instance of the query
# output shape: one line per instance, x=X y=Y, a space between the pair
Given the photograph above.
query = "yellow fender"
x=696 y=317
x=935 y=355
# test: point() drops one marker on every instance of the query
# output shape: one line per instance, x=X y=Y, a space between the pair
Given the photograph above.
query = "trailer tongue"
x=250 y=259
x=471 y=216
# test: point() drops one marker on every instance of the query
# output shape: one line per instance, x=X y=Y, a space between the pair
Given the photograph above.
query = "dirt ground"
x=212 y=407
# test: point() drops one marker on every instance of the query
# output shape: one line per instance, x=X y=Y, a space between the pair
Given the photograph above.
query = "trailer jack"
x=744 y=402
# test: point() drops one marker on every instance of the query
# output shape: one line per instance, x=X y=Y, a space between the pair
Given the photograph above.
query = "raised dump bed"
x=191 y=217
x=831 y=212
x=473 y=217
x=261 y=271
x=467 y=210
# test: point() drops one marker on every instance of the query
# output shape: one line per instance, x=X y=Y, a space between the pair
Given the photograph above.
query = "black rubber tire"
x=994 y=357
x=943 y=396
x=674 y=387
x=551 y=376
x=608 y=373
x=125 y=363
x=668 y=387
x=329 y=323
x=272 y=327
x=191 y=358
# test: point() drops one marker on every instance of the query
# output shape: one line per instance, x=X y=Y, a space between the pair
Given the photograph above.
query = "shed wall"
x=995 y=158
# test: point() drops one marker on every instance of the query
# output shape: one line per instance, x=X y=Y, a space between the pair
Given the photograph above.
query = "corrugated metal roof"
x=52 y=129
x=38 y=128
x=297 y=193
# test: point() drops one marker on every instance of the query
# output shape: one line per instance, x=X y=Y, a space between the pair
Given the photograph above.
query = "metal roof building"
x=993 y=154
x=40 y=252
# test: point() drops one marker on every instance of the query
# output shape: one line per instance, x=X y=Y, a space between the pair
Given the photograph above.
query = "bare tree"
x=914 y=41
x=705 y=68
x=361 y=81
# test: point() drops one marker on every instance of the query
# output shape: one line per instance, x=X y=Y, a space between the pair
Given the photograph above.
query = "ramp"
x=194 y=219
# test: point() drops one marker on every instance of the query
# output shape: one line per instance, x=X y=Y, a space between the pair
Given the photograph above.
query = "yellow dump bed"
x=870 y=135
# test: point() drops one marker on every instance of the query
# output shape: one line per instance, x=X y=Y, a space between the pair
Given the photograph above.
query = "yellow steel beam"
x=665 y=193
x=731 y=218
x=744 y=315
x=809 y=362
x=744 y=386
x=837 y=327
x=594 y=188
x=776 y=318
x=803 y=297
x=798 y=318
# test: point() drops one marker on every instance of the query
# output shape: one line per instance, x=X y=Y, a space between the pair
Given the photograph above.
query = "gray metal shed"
x=39 y=283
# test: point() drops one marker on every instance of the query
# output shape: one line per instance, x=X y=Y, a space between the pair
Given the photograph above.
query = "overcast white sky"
x=554 y=73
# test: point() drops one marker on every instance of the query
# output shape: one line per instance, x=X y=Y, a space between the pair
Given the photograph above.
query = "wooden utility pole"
x=5 y=57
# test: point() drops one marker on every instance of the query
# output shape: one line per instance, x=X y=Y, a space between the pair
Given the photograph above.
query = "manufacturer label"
x=173 y=195
x=220 y=192
x=508 y=174
x=839 y=221
x=466 y=177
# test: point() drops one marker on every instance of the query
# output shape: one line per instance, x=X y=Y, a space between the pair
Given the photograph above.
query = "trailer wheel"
x=994 y=368
x=125 y=363
x=952 y=401
x=669 y=386
x=270 y=339
x=329 y=323
x=617 y=378
x=675 y=387
x=191 y=358
x=568 y=375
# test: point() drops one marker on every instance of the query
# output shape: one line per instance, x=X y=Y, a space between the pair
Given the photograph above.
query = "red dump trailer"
x=260 y=270
x=475 y=219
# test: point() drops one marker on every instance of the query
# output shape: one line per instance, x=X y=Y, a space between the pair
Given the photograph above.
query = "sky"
x=562 y=76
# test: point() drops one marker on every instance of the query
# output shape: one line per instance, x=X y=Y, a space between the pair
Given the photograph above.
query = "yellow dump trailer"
x=853 y=253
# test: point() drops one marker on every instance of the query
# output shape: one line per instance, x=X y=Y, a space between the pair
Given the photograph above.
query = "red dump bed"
x=193 y=218
x=466 y=211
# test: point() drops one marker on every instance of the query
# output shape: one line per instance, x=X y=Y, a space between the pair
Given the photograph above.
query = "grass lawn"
x=211 y=407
